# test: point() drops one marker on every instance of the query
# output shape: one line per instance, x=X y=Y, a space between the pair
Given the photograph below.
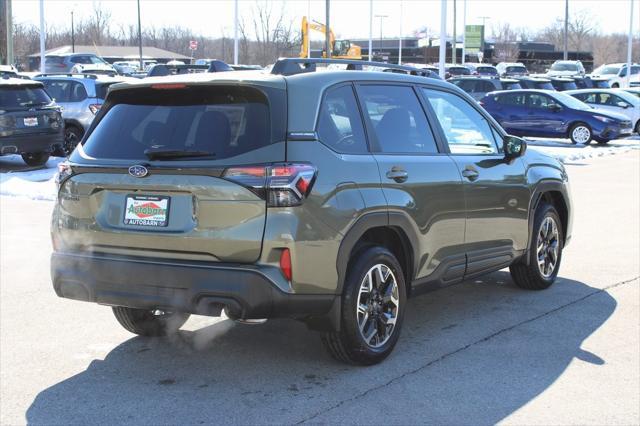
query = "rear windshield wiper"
x=174 y=154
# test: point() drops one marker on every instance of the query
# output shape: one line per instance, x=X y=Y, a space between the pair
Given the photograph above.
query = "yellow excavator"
x=340 y=49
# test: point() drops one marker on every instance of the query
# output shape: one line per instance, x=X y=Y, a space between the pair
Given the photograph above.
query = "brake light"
x=281 y=185
x=94 y=108
x=168 y=86
x=285 y=264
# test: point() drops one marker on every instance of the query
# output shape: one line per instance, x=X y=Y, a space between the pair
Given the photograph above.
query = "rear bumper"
x=194 y=287
x=37 y=142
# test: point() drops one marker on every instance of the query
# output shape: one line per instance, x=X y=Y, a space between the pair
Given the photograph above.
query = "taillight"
x=282 y=185
x=94 y=108
x=285 y=264
x=64 y=172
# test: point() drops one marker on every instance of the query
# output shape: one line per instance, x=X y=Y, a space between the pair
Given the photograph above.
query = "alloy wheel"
x=581 y=134
x=378 y=305
x=547 y=247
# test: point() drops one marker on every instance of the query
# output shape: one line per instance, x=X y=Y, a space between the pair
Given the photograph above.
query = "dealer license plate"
x=146 y=210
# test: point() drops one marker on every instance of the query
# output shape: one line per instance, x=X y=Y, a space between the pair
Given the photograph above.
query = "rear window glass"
x=23 y=96
x=224 y=121
x=460 y=71
x=517 y=69
x=545 y=86
x=487 y=70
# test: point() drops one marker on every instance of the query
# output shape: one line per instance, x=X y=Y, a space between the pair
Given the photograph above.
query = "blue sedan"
x=545 y=113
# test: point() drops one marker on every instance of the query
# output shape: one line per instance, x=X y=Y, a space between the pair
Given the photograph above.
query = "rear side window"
x=397 y=119
x=484 y=86
x=22 y=96
x=514 y=99
x=340 y=126
x=78 y=92
x=224 y=121
x=545 y=86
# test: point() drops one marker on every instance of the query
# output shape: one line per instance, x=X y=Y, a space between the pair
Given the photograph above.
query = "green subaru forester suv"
x=328 y=197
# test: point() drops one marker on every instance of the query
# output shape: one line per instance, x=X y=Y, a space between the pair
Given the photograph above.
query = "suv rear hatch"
x=26 y=109
x=175 y=170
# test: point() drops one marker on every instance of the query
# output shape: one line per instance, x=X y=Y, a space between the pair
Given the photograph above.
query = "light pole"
x=381 y=18
x=42 y=70
x=464 y=32
x=443 y=37
x=140 y=38
x=73 y=35
x=400 y=38
x=565 y=54
x=454 y=42
x=327 y=33
x=629 y=43
x=370 y=30
x=9 y=14
x=235 y=33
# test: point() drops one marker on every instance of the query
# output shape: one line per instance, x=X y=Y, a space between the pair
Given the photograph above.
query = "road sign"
x=474 y=38
x=193 y=45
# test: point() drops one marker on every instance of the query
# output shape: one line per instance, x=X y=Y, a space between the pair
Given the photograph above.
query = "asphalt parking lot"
x=480 y=352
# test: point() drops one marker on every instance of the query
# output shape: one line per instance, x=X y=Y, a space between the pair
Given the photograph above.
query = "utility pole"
x=42 y=35
x=73 y=35
x=10 y=58
x=370 y=29
x=443 y=37
x=629 y=44
x=565 y=55
x=381 y=18
x=140 y=38
x=327 y=39
x=400 y=42
x=454 y=43
x=235 y=33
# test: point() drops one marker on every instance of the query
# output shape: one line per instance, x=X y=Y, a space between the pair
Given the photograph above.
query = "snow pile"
x=34 y=183
x=565 y=152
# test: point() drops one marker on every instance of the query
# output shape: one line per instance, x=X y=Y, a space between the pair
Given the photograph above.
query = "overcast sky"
x=349 y=18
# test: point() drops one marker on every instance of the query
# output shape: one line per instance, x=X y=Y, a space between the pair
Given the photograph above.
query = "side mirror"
x=623 y=105
x=554 y=107
x=513 y=147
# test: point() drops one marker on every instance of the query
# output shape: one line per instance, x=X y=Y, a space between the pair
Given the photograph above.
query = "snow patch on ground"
x=566 y=152
x=31 y=182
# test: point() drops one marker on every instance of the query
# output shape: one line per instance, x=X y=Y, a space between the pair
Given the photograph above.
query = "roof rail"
x=292 y=66
x=68 y=74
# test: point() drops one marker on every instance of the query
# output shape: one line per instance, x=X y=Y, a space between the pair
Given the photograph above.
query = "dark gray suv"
x=328 y=197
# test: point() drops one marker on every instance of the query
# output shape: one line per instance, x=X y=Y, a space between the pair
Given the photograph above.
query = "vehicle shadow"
x=478 y=335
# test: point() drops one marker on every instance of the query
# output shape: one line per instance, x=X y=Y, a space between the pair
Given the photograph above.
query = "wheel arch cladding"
x=375 y=229
x=551 y=194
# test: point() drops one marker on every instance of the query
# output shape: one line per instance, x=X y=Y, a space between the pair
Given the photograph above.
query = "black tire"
x=529 y=276
x=615 y=86
x=72 y=136
x=35 y=158
x=573 y=137
x=637 y=129
x=144 y=322
x=349 y=345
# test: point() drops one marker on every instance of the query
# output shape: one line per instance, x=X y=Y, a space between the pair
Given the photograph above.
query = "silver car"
x=75 y=62
x=80 y=96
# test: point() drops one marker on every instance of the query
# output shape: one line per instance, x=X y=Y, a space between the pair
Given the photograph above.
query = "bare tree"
x=506 y=43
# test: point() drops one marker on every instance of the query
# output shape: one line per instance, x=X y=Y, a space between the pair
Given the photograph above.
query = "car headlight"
x=604 y=119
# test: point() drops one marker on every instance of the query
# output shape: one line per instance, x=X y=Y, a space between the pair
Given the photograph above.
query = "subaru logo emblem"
x=138 y=171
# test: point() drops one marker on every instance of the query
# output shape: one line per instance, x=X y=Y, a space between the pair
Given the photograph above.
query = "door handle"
x=470 y=174
x=397 y=174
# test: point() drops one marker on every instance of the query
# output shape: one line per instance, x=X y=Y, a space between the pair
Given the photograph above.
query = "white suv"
x=617 y=74
x=566 y=69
